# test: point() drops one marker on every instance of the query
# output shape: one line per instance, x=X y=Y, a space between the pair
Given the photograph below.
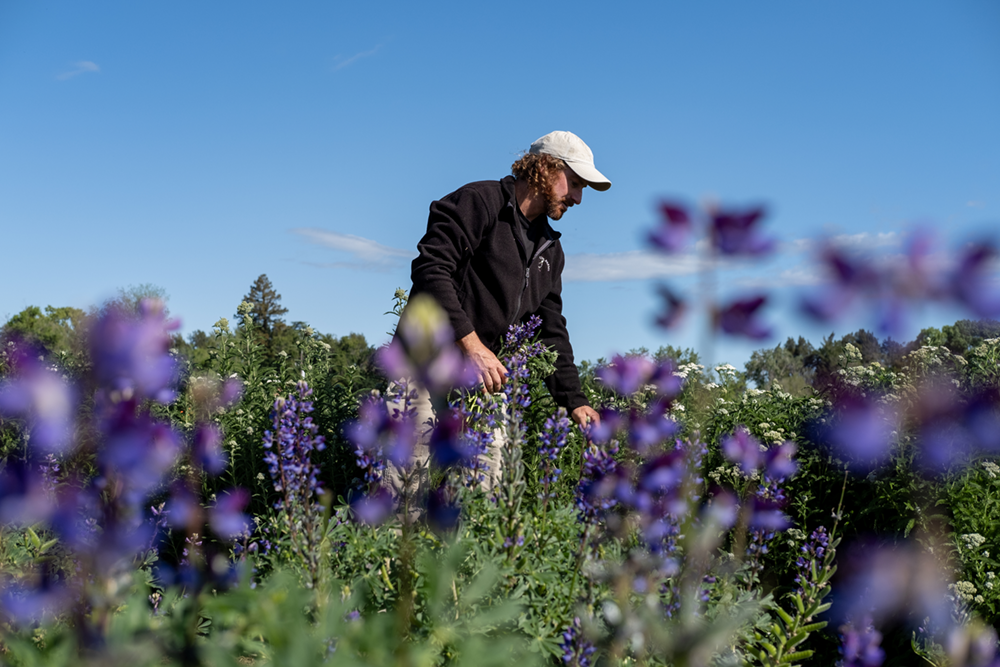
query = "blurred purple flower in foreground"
x=43 y=397
x=862 y=431
x=227 y=518
x=747 y=451
x=888 y=584
x=672 y=235
x=627 y=375
x=739 y=318
x=731 y=232
x=914 y=280
x=130 y=353
x=861 y=644
x=423 y=349
x=674 y=308
x=735 y=232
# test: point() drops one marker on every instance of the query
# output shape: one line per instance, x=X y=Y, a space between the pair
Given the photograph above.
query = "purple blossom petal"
x=744 y=449
x=227 y=518
x=735 y=233
x=779 y=462
x=672 y=235
x=674 y=308
x=739 y=318
x=374 y=508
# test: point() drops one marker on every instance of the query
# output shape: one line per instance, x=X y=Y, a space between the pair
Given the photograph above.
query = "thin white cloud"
x=339 y=62
x=974 y=204
x=365 y=252
x=82 y=67
x=866 y=240
x=631 y=265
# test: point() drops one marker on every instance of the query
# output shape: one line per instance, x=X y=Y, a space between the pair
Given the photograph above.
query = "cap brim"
x=587 y=172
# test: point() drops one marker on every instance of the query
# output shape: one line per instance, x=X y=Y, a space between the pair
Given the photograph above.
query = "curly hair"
x=537 y=170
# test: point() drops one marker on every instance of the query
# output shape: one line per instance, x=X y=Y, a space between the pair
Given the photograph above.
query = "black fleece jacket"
x=472 y=261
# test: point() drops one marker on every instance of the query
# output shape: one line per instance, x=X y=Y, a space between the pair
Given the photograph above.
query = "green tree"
x=57 y=330
x=790 y=365
x=265 y=312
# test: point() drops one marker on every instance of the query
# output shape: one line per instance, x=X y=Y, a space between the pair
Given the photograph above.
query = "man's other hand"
x=586 y=415
x=491 y=372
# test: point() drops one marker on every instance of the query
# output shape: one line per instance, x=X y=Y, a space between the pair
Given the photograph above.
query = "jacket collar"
x=510 y=215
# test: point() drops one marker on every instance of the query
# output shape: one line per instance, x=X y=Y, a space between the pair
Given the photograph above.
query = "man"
x=490 y=259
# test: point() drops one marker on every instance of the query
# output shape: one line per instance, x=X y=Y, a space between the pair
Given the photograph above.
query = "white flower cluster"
x=726 y=369
x=965 y=591
x=973 y=541
x=687 y=369
x=992 y=469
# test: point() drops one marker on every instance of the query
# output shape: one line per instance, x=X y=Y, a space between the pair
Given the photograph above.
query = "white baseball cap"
x=577 y=155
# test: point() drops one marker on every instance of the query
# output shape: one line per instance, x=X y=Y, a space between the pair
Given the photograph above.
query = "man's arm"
x=455 y=228
x=564 y=384
x=491 y=372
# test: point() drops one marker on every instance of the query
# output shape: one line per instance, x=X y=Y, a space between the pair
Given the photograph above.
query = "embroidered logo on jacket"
x=543 y=262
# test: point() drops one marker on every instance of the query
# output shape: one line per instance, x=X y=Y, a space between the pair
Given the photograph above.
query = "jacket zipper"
x=527 y=272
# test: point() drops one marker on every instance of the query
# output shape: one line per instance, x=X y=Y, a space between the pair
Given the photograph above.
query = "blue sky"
x=195 y=146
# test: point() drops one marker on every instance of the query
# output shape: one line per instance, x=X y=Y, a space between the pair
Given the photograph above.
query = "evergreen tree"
x=266 y=311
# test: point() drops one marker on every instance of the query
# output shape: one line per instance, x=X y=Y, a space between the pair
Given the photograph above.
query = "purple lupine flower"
x=44 y=599
x=443 y=510
x=553 y=438
x=768 y=515
x=674 y=308
x=861 y=645
x=905 y=582
x=739 y=318
x=627 y=375
x=519 y=335
x=371 y=434
x=736 y=233
x=206 y=448
x=850 y=277
x=652 y=427
x=49 y=467
x=813 y=551
x=138 y=450
x=779 y=462
x=576 y=650
x=373 y=508
x=722 y=509
x=43 y=397
x=595 y=491
x=424 y=349
x=25 y=498
x=969 y=284
x=131 y=355
x=861 y=431
x=227 y=518
x=744 y=449
x=290 y=448
x=447 y=442
x=672 y=235
x=478 y=436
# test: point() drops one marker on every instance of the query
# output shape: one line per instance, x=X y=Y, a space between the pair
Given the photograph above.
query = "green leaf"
x=35 y=541
x=801 y=655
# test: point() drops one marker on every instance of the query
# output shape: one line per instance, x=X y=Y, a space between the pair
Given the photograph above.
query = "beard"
x=555 y=207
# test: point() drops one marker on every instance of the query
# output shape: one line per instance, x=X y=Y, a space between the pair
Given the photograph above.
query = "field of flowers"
x=240 y=509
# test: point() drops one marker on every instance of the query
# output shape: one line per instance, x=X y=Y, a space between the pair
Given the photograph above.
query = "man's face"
x=565 y=190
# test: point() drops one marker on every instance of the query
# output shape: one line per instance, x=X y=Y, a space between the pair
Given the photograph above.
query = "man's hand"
x=585 y=415
x=491 y=372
